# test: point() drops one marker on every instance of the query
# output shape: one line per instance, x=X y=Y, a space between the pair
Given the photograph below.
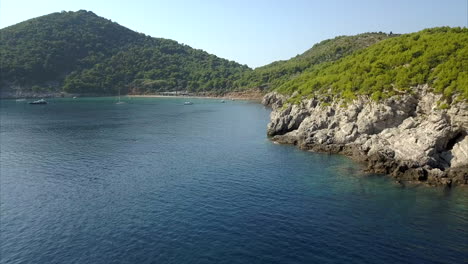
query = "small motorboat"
x=41 y=102
x=20 y=100
x=222 y=101
x=188 y=103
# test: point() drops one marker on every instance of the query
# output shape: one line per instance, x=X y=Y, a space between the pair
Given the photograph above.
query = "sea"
x=153 y=180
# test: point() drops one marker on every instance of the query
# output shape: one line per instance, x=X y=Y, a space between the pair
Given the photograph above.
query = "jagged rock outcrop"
x=406 y=136
x=275 y=100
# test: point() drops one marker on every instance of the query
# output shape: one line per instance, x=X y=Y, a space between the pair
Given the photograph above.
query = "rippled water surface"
x=156 y=181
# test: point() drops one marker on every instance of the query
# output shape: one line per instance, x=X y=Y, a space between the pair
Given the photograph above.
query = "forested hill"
x=277 y=73
x=80 y=52
x=436 y=56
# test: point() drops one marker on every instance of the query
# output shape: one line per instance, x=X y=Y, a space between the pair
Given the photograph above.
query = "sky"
x=254 y=32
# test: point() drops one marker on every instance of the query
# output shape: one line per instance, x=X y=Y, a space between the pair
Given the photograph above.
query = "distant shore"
x=251 y=95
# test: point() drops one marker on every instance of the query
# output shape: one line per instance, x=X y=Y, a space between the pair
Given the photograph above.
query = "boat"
x=222 y=101
x=188 y=103
x=41 y=101
x=18 y=99
x=120 y=102
x=74 y=97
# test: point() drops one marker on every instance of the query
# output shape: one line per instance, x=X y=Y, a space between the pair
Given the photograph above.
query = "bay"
x=156 y=181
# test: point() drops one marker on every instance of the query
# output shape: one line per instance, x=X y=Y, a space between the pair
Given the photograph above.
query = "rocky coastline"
x=408 y=137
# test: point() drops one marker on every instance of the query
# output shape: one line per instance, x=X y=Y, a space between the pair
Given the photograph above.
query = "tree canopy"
x=277 y=73
x=435 y=56
x=81 y=52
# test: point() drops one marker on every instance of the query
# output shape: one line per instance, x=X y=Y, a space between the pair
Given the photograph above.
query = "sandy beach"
x=254 y=95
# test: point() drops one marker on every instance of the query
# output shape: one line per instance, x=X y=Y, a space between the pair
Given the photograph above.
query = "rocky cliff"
x=408 y=136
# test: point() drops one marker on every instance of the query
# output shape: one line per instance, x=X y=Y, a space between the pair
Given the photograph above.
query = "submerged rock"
x=405 y=136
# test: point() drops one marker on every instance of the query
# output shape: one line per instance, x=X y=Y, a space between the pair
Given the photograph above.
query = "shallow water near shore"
x=155 y=181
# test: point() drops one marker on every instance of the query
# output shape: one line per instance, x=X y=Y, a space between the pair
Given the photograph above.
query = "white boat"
x=188 y=103
x=222 y=101
x=120 y=102
x=41 y=101
x=18 y=94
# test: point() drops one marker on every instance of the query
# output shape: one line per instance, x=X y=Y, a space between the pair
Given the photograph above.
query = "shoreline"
x=248 y=95
x=406 y=177
x=286 y=126
x=252 y=99
x=259 y=99
x=406 y=138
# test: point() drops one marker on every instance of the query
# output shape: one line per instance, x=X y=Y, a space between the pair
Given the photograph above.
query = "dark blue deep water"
x=154 y=181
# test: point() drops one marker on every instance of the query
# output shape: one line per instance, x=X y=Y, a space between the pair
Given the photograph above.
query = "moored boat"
x=40 y=101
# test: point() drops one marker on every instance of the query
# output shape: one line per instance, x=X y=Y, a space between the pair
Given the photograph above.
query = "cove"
x=156 y=181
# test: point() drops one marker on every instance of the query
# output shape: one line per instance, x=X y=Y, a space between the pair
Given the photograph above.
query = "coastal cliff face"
x=406 y=136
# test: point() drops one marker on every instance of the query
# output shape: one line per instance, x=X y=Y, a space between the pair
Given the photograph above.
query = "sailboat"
x=120 y=102
x=18 y=99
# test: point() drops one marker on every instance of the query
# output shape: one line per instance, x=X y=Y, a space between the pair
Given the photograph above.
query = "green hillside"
x=277 y=73
x=80 y=52
x=437 y=56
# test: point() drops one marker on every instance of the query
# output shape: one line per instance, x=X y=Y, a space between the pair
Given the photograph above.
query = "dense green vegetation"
x=437 y=56
x=156 y=67
x=81 y=52
x=277 y=73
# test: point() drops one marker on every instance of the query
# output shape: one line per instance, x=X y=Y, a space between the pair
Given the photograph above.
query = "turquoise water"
x=156 y=181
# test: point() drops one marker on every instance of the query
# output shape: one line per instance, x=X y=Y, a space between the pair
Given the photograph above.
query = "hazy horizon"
x=256 y=33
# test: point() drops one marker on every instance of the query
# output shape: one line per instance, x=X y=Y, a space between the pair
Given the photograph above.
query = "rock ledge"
x=406 y=136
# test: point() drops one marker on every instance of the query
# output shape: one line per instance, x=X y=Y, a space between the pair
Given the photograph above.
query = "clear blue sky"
x=254 y=32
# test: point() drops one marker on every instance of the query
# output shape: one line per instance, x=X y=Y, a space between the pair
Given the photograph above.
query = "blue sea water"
x=156 y=181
